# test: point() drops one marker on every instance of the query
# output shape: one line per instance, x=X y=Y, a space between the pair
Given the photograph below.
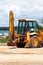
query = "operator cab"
x=27 y=25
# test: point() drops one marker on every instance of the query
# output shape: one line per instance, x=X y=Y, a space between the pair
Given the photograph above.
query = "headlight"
x=31 y=30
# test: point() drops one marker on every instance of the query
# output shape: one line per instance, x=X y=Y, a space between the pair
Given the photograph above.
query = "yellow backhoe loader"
x=28 y=33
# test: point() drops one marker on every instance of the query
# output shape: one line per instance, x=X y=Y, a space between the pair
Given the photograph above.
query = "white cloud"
x=21 y=8
x=12 y=7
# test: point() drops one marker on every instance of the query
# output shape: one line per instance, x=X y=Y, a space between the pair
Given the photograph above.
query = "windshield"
x=23 y=27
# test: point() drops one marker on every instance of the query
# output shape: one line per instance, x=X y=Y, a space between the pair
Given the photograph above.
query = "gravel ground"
x=21 y=56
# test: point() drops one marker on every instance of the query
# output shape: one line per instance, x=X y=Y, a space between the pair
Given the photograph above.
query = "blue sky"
x=28 y=9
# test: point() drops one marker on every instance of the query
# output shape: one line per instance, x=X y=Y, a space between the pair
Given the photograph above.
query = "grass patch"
x=4 y=40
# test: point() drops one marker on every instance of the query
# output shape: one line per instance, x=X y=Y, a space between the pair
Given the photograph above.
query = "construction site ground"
x=10 y=55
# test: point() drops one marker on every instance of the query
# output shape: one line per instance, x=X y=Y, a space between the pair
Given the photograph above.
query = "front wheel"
x=34 y=42
x=20 y=44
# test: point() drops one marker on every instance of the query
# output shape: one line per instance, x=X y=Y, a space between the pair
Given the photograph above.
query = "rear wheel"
x=34 y=42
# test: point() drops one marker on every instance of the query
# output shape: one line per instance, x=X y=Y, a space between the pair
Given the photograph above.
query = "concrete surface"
x=21 y=56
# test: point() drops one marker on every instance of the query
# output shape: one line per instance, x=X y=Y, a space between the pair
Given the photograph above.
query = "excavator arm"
x=11 y=25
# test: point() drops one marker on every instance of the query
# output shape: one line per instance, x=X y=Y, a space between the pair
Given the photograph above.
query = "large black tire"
x=34 y=42
x=20 y=44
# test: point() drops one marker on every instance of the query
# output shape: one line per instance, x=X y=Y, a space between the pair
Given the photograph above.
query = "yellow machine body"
x=20 y=40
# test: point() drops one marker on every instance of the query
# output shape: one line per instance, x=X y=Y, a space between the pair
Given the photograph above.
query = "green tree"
x=42 y=20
